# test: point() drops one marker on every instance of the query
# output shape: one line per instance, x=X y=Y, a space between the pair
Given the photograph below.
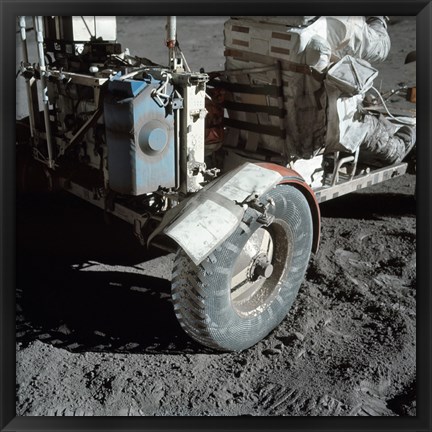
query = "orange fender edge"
x=296 y=180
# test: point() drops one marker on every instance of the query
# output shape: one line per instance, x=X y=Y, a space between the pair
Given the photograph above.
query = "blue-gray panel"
x=140 y=139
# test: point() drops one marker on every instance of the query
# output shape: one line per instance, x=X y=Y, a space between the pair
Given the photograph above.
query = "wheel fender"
x=202 y=222
x=289 y=176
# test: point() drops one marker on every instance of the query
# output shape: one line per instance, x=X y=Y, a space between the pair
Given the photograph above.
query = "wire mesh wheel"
x=245 y=288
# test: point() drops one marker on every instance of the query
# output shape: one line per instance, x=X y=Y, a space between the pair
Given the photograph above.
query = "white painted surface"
x=250 y=179
x=202 y=229
x=208 y=225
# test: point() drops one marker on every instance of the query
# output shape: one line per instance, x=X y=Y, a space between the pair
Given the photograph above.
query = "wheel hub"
x=257 y=270
x=261 y=267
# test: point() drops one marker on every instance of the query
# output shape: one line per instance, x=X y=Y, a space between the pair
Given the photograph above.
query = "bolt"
x=263 y=268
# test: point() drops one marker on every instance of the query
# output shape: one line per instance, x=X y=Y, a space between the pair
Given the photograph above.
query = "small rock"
x=64 y=329
x=99 y=333
x=242 y=361
x=272 y=351
x=299 y=336
x=131 y=345
x=301 y=353
x=327 y=321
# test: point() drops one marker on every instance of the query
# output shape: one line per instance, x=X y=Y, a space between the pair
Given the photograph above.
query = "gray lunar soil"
x=96 y=331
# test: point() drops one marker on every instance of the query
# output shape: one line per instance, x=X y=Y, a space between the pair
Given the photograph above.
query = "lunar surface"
x=96 y=330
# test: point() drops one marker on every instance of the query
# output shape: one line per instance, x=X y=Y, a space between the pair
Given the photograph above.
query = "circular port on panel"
x=153 y=137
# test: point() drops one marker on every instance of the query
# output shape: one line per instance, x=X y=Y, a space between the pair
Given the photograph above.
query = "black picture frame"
x=10 y=9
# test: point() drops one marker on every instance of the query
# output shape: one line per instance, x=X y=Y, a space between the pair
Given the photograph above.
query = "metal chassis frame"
x=338 y=185
x=358 y=182
x=322 y=194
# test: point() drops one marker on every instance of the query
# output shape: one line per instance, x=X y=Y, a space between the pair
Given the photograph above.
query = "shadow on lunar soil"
x=58 y=236
x=98 y=311
x=369 y=206
x=59 y=302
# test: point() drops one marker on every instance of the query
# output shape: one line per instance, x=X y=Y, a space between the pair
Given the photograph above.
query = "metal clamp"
x=159 y=95
x=252 y=201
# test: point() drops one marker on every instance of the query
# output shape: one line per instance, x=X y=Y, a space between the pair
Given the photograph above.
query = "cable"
x=177 y=47
x=411 y=123
x=88 y=29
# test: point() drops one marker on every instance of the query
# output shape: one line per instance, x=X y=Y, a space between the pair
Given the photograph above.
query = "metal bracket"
x=177 y=103
x=252 y=201
x=159 y=95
